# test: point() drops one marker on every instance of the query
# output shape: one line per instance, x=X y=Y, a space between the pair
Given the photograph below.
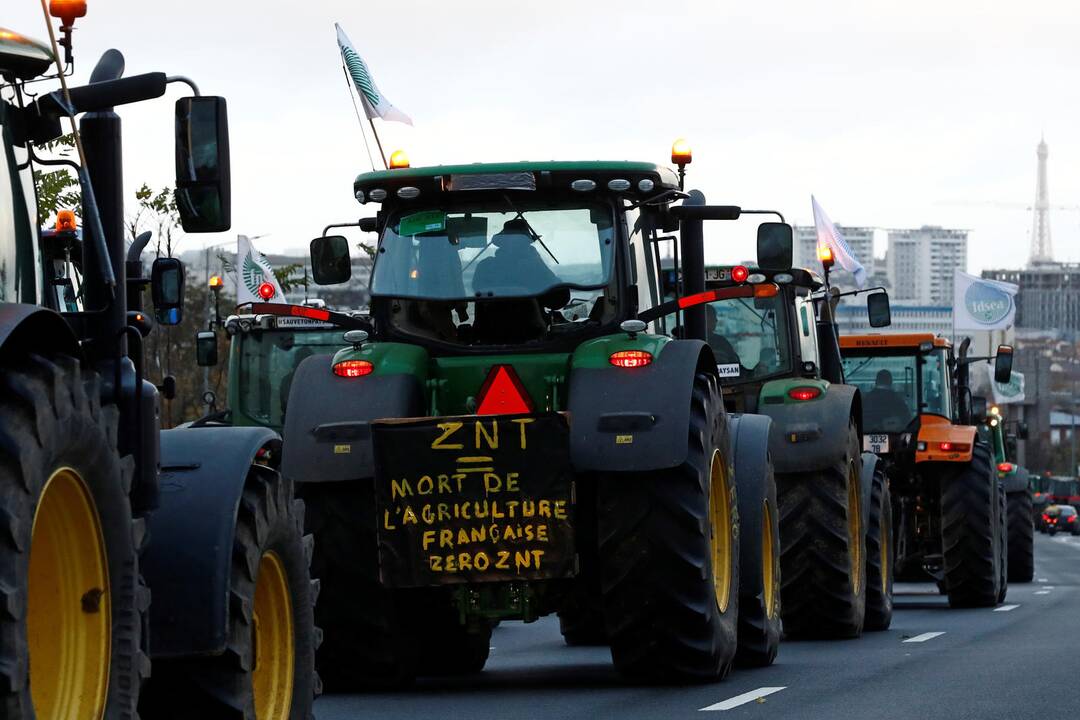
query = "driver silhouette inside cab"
x=515 y=270
x=721 y=346
x=883 y=407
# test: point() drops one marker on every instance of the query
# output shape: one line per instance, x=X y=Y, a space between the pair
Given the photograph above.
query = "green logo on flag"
x=252 y=274
x=359 y=72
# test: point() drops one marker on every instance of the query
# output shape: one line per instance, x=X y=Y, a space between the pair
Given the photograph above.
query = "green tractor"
x=777 y=355
x=264 y=352
x=516 y=434
x=127 y=549
x=1020 y=513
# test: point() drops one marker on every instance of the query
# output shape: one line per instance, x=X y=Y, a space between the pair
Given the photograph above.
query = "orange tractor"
x=948 y=501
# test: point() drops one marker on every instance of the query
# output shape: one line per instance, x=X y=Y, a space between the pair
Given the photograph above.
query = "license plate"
x=876 y=443
x=473 y=499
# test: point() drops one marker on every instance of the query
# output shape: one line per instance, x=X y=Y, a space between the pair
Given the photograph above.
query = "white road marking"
x=924 y=637
x=1049 y=587
x=1005 y=608
x=1042 y=592
x=742 y=699
x=1043 y=580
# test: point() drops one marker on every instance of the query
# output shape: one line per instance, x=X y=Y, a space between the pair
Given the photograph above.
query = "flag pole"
x=378 y=142
x=348 y=86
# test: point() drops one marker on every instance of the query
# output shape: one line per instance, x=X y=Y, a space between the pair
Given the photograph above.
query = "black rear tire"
x=270 y=520
x=662 y=613
x=880 y=556
x=823 y=566
x=1003 y=546
x=1021 y=538
x=759 y=591
x=51 y=417
x=969 y=532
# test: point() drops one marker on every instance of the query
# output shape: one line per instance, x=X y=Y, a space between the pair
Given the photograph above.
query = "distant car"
x=1042 y=520
x=1065 y=520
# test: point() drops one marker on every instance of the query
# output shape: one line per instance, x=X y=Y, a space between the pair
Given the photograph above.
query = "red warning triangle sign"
x=503 y=393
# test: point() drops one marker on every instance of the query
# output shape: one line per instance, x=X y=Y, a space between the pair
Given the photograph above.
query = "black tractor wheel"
x=373 y=638
x=71 y=629
x=669 y=551
x=581 y=614
x=879 y=556
x=823 y=540
x=759 y=568
x=268 y=667
x=1003 y=547
x=1021 y=537
x=970 y=532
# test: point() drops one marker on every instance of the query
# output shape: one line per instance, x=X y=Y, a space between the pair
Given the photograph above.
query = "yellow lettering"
x=444 y=484
x=512 y=482
x=522 y=559
x=448 y=428
x=446 y=538
x=560 y=509
x=521 y=423
x=427 y=515
x=476 y=509
x=459 y=477
x=492 y=439
x=464 y=561
x=544 y=508
x=427 y=538
x=464 y=511
x=503 y=562
x=462 y=537
x=530 y=533
x=541 y=533
x=451 y=563
x=435 y=563
x=425 y=485
x=481 y=562
x=444 y=512
x=528 y=508
x=508 y=533
x=511 y=505
x=496 y=513
x=492 y=483
x=478 y=534
x=409 y=517
x=400 y=488
x=386 y=521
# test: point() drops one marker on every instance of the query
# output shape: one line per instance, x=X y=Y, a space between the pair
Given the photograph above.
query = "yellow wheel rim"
x=68 y=618
x=768 y=562
x=855 y=531
x=720 y=514
x=272 y=678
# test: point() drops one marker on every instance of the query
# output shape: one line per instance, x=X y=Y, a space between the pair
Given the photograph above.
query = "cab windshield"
x=896 y=388
x=748 y=337
x=501 y=250
x=267 y=361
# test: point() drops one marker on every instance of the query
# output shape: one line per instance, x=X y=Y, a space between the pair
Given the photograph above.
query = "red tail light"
x=953 y=447
x=503 y=393
x=1072 y=518
x=1046 y=518
x=739 y=273
x=353 y=368
x=804 y=393
x=1005 y=467
x=630 y=358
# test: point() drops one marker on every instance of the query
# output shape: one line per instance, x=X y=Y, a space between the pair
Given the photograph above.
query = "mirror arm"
x=823 y=295
x=339 y=225
x=186 y=80
x=765 y=212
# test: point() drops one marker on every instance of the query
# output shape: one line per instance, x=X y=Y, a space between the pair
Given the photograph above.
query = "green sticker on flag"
x=422 y=222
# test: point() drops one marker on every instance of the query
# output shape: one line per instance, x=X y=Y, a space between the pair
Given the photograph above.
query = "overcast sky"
x=893 y=114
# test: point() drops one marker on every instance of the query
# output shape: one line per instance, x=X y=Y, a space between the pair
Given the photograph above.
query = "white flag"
x=375 y=104
x=980 y=304
x=1010 y=392
x=829 y=236
x=255 y=281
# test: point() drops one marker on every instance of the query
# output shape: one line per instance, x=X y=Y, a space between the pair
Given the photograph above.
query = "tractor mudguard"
x=32 y=328
x=328 y=420
x=1015 y=481
x=188 y=559
x=749 y=447
x=819 y=429
x=633 y=419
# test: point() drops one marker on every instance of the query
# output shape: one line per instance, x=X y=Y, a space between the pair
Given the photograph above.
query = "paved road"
x=1018 y=661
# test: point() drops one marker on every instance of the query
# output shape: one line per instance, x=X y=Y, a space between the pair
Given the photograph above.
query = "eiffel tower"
x=1042 y=251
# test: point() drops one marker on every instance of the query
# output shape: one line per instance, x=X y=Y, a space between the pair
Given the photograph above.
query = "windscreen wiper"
x=535 y=235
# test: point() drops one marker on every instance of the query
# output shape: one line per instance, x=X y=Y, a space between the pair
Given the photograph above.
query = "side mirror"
x=206 y=348
x=167 y=290
x=978 y=408
x=330 y=261
x=203 y=196
x=1003 y=363
x=774 y=243
x=877 y=307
